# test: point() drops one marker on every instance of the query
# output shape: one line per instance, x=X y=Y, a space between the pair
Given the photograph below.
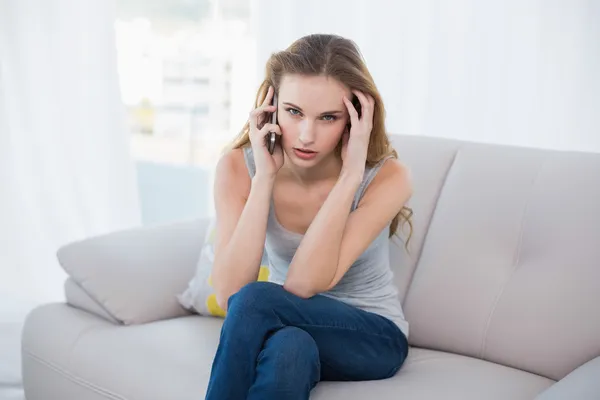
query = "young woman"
x=323 y=206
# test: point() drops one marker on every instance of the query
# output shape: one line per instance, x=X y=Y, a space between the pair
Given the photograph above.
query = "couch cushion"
x=70 y=351
x=135 y=275
x=434 y=375
x=200 y=295
x=429 y=160
x=66 y=349
x=509 y=271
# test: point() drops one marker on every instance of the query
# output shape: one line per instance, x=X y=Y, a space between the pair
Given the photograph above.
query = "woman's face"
x=312 y=117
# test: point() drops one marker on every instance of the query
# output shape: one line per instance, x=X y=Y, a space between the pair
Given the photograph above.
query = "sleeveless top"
x=367 y=285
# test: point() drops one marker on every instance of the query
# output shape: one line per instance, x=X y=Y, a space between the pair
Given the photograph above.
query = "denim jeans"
x=276 y=345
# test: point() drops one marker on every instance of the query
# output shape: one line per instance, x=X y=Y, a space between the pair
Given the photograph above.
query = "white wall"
x=523 y=72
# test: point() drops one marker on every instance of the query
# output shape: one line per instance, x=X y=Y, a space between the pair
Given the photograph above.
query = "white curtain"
x=65 y=168
x=521 y=72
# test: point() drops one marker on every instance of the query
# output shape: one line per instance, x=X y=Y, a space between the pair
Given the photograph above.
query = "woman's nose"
x=307 y=134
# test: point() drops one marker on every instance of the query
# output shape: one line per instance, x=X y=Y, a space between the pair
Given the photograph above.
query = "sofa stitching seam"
x=73 y=378
x=515 y=266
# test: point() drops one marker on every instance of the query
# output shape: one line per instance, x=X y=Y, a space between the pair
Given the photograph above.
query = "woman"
x=323 y=206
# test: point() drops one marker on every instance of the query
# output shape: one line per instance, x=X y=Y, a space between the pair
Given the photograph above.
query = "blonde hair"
x=339 y=58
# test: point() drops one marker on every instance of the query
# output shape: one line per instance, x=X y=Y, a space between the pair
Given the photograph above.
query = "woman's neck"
x=327 y=170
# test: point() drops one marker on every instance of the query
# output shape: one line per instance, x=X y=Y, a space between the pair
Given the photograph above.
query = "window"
x=187 y=75
x=183 y=70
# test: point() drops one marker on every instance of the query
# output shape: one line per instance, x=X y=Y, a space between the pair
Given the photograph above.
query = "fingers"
x=257 y=114
x=261 y=110
x=351 y=110
x=270 y=128
x=268 y=97
x=367 y=102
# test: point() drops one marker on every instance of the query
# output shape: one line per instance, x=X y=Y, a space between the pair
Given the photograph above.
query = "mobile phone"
x=272 y=136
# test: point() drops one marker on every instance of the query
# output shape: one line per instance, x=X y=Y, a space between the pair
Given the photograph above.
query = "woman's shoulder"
x=231 y=169
x=391 y=168
x=391 y=175
x=232 y=160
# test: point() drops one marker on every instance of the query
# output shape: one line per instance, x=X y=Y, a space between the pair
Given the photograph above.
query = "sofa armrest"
x=583 y=383
x=133 y=276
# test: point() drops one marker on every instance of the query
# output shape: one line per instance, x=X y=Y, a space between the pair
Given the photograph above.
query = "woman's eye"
x=329 y=117
x=293 y=111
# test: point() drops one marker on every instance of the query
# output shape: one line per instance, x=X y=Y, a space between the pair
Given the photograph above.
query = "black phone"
x=272 y=136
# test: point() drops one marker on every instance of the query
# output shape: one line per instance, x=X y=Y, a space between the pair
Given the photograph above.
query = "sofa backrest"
x=504 y=264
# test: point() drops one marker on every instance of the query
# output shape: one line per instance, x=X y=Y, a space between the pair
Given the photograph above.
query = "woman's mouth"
x=305 y=154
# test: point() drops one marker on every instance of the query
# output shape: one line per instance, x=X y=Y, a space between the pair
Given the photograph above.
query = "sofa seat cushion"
x=68 y=351
x=433 y=375
x=167 y=359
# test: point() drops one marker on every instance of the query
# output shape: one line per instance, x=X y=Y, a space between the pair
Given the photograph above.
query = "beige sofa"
x=501 y=290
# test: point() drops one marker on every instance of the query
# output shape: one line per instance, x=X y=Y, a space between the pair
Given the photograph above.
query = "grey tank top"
x=367 y=285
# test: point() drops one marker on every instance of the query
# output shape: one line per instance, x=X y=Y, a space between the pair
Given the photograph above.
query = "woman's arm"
x=336 y=237
x=242 y=207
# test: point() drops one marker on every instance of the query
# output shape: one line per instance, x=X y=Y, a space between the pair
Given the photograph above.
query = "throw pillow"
x=200 y=295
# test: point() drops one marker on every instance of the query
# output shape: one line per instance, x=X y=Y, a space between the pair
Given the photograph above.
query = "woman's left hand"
x=356 y=142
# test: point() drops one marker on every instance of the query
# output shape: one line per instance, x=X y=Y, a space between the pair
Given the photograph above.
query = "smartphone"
x=272 y=136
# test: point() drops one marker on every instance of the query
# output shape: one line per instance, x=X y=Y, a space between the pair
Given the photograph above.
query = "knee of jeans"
x=255 y=297
x=295 y=350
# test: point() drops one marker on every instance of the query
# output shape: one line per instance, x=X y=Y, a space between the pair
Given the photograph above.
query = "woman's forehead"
x=318 y=93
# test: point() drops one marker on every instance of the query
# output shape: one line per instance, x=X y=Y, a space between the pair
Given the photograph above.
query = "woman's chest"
x=295 y=208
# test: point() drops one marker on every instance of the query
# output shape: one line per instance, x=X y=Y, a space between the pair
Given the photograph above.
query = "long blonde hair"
x=339 y=58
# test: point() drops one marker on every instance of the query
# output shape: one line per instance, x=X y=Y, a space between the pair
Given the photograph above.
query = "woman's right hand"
x=266 y=164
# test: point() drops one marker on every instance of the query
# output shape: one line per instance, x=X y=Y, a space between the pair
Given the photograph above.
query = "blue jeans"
x=276 y=345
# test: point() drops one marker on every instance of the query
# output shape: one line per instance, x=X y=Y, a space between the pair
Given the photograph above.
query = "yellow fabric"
x=211 y=301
